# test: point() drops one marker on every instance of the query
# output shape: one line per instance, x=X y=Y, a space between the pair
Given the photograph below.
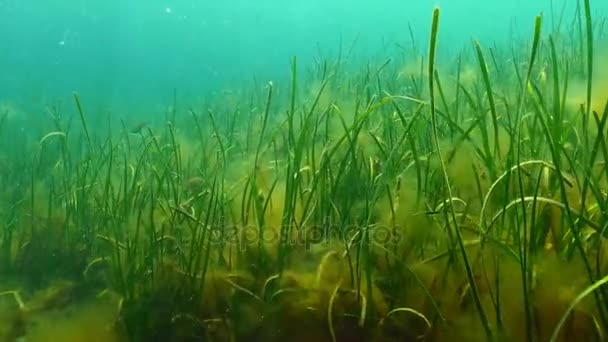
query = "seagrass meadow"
x=413 y=199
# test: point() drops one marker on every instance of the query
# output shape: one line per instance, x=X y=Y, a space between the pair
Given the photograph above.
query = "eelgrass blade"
x=490 y=94
x=470 y=277
x=82 y=119
x=589 y=290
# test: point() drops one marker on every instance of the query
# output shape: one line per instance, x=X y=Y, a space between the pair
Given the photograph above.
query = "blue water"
x=131 y=53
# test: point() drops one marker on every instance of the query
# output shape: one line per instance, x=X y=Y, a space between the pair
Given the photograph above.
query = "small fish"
x=194 y=185
x=138 y=128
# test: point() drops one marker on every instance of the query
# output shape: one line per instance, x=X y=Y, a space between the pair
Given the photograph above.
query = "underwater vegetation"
x=410 y=200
